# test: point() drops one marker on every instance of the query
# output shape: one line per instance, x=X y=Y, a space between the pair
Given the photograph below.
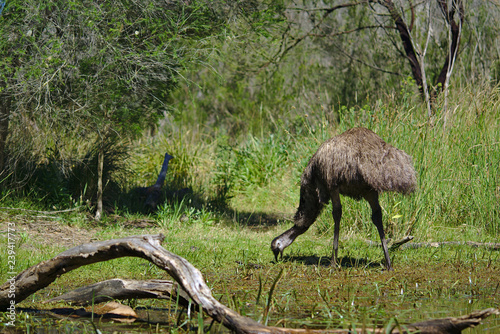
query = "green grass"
x=237 y=263
x=245 y=190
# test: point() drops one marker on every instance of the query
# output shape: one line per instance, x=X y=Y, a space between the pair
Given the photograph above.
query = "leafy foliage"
x=113 y=72
x=79 y=72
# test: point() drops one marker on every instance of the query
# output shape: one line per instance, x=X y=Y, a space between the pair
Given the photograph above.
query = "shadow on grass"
x=325 y=261
x=134 y=202
x=254 y=220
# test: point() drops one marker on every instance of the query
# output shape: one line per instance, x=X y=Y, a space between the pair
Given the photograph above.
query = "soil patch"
x=46 y=228
x=48 y=232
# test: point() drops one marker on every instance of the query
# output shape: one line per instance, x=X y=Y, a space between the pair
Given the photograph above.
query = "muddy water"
x=317 y=297
x=358 y=312
x=405 y=312
x=308 y=296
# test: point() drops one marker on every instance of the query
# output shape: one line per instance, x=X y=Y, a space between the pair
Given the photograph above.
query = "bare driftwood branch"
x=488 y=245
x=147 y=247
x=192 y=282
x=402 y=244
x=120 y=289
x=41 y=275
x=398 y=243
x=454 y=325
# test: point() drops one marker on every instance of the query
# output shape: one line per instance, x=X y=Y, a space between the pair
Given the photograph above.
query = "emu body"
x=358 y=164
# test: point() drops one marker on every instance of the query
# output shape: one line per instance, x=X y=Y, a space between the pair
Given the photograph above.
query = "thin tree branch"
x=327 y=11
x=364 y=63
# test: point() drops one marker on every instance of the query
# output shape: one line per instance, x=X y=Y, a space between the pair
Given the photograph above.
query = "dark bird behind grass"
x=358 y=164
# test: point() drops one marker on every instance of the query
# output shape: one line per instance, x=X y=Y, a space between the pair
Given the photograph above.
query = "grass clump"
x=244 y=190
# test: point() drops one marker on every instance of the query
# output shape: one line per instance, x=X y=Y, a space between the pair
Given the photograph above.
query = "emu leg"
x=337 y=215
x=372 y=198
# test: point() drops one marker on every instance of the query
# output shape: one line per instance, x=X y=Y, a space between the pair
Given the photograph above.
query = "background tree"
x=97 y=72
x=77 y=79
x=335 y=54
x=385 y=18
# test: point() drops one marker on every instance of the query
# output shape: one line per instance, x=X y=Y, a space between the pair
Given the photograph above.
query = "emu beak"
x=276 y=253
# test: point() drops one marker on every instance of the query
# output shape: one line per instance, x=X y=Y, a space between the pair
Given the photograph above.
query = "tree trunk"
x=425 y=86
x=404 y=33
x=100 y=170
x=411 y=54
x=4 y=131
x=454 y=32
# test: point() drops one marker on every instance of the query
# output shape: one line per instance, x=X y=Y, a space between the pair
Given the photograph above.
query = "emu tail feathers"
x=392 y=171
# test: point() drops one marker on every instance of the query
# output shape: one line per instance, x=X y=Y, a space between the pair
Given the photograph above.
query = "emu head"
x=277 y=248
x=283 y=241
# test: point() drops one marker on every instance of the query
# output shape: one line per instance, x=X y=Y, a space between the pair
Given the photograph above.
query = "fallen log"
x=148 y=247
x=121 y=289
x=488 y=245
x=398 y=243
x=402 y=243
x=454 y=324
x=110 y=310
x=191 y=280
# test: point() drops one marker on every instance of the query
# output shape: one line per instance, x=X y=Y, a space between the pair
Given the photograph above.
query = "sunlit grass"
x=237 y=263
x=244 y=192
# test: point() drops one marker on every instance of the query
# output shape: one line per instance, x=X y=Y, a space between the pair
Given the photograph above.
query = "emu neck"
x=289 y=236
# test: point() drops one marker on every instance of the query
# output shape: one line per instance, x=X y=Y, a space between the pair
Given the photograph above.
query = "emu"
x=357 y=164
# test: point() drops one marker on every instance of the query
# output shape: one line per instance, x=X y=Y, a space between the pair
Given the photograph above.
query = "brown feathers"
x=358 y=164
x=359 y=159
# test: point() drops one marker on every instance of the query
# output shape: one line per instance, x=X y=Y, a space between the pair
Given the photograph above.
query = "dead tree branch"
x=121 y=289
x=402 y=243
x=147 y=247
x=154 y=192
x=398 y=243
x=488 y=245
x=191 y=280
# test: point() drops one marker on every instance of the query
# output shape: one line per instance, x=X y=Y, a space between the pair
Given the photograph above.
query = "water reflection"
x=161 y=320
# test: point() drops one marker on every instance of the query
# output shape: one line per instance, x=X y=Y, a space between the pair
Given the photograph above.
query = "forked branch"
x=191 y=281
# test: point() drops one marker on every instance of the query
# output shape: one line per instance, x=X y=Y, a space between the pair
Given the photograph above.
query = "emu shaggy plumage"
x=358 y=164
